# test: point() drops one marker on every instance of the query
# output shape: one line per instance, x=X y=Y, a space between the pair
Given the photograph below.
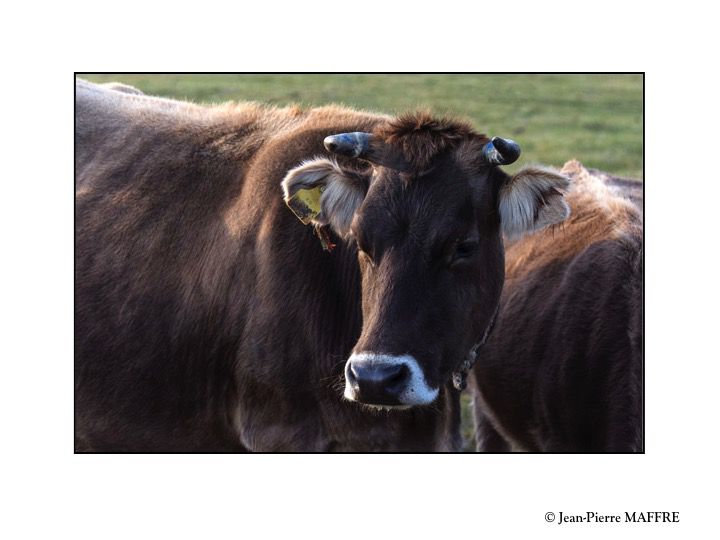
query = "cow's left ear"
x=533 y=199
x=322 y=193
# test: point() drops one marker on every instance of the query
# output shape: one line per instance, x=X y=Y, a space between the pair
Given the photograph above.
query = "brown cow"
x=562 y=370
x=209 y=318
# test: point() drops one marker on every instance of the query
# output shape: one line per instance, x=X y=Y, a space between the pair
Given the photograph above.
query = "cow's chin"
x=375 y=407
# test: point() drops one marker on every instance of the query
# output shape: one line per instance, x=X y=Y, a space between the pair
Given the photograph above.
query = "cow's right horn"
x=355 y=144
x=501 y=151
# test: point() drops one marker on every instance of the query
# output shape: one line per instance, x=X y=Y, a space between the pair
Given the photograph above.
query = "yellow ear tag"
x=305 y=204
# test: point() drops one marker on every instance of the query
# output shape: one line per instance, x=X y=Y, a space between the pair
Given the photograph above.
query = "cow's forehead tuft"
x=421 y=137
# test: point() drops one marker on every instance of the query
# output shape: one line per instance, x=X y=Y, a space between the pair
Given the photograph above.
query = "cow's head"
x=426 y=205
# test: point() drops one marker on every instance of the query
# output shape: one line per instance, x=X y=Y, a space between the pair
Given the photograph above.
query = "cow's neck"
x=459 y=376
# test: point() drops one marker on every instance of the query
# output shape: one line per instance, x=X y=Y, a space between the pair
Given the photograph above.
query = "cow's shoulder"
x=601 y=211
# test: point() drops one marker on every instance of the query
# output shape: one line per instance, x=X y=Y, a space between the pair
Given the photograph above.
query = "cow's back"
x=562 y=369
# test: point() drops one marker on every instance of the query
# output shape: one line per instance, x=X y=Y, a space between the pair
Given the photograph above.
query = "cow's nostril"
x=350 y=374
x=397 y=381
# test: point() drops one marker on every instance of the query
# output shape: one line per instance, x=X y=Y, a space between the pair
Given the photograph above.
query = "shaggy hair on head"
x=420 y=136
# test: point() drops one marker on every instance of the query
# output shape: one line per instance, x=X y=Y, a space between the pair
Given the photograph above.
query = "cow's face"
x=428 y=228
x=431 y=259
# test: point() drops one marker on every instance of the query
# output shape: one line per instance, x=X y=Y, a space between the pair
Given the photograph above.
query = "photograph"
x=359 y=262
x=359 y=271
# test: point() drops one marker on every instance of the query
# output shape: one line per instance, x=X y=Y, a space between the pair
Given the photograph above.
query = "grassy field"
x=594 y=118
x=597 y=119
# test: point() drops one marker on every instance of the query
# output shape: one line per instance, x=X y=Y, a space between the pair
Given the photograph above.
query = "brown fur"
x=120 y=87
x=208 y=318
x=562 y=369
x=597 y=213
x=421 y=137
x=186 y=257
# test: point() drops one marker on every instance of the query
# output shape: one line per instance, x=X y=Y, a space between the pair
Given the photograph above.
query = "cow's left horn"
x=355 y=144
x=501 y=151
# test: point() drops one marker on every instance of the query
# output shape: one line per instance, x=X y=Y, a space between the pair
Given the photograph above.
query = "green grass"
x=597 y=119
x=594 y=118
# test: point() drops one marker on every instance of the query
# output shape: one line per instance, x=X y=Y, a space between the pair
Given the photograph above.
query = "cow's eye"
x=465 y=250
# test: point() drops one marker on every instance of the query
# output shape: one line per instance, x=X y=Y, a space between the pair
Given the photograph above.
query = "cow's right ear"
x=320 y=192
